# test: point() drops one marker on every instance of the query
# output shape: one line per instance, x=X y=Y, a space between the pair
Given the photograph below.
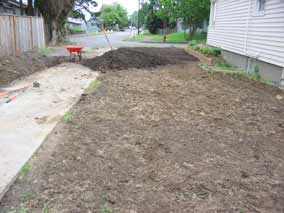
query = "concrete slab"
x=26 y=121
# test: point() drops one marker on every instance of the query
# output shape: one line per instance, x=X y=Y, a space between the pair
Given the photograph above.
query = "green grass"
x=45 y=208
x=24 y=210
x=93 y=86
x=26 y=196
x=106 y=210
x=136 y=38
x=46 y=50
x=173 y=37
x=68 y=116
x=179 y=37
x=219 y=63
x=24 y=171
x=233 y=71
x=76 y=31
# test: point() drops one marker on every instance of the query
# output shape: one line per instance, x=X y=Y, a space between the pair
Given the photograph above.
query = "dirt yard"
x=161 y=140
x=16 y=67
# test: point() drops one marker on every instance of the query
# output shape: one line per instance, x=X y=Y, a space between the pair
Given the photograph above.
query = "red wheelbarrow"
x=75 y=51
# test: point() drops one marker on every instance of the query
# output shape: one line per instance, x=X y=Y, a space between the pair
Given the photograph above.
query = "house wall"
x=239 y=29
x=14 y=11
x=180 y=27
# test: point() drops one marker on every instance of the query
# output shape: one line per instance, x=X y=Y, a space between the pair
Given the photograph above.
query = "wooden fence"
x=20 y=33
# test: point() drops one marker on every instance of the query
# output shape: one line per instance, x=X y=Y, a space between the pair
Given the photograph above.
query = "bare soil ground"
x=16 y=67
x=142 y=57
x=167 y=139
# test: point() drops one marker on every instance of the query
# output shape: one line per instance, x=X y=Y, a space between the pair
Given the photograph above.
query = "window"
x=260 y=7
x=213 y=12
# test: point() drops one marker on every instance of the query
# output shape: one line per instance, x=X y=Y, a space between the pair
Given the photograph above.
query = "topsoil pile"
x=16 y=67
x=143 y=57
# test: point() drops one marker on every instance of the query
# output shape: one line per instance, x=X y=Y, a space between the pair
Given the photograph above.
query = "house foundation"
x=267 y=71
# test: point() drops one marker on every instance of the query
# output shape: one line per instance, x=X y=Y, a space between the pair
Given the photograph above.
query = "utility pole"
x=138 y=24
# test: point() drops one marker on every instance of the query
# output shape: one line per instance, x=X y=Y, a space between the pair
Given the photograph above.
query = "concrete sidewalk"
x=26 y=121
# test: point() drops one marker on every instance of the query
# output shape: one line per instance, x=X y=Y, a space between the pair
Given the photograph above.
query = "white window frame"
x=258 y=5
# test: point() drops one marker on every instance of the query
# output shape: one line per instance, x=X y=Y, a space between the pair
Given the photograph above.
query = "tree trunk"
x=165 y=26
x=30 y=8
x=184 y=30
x=53 y=32
x=55 y=13
x=191 y=29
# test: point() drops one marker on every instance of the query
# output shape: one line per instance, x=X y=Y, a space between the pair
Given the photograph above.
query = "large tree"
x=55 y=13
x=30 y=8
x=193 y=12
x=114 y=14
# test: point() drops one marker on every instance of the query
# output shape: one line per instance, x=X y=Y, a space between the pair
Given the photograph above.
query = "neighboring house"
x=251 y=34
x=12 y=7
x=94 y=25
x=75 y=24
x=181 y=27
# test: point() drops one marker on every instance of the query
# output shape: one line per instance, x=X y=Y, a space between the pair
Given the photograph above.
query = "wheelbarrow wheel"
x=72 y=57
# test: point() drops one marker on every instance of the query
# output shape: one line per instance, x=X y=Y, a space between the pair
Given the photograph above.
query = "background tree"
x=194 y=13
x=154 y=23
x=82 y=7
x=114 y=14
x=56 y=12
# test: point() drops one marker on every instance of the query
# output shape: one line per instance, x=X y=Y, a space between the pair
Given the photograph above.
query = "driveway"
x=117 y=40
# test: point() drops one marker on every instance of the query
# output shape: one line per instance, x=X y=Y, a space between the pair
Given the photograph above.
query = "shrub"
x=192 y=43
x=196 y=48
x=154 y=23
x=74 y=31
x=205 y=50
x=224 y=64
x=215 y=52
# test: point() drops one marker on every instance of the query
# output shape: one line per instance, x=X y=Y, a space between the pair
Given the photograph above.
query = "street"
x=117 y=39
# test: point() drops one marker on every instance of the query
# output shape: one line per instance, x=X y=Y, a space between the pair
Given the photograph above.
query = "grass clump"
x=208 y=51
x=74 y=31
x=93 y=86
x=68 y=116
x=106 y=210
x=136 y=38
x=193 y=43
x=21 y=210
x=46 y=50
x=24 y=171
x=205 y=50
x=180 y=37
x=46 y=208
x=224 y=64
x=26 y=196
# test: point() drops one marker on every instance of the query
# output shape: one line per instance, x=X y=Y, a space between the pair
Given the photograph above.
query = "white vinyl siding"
x=238 y=28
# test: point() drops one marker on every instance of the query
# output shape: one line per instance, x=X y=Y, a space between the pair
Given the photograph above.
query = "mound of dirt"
x=143 y=57
x=16 y=67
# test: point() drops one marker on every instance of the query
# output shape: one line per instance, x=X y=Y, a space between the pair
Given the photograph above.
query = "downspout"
x=282 y=78
x=247 y=28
